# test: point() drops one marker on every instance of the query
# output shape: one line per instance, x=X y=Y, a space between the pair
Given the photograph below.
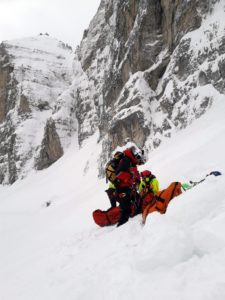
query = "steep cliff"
x=148 y=65
x=142 y=70
x=35 y=74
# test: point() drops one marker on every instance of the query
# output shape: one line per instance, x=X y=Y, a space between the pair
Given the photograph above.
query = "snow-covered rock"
x=143 y=70
x=35 y=74
x=149 y=66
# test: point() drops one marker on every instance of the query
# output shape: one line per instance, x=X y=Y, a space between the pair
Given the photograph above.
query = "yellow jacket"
x=151 y=186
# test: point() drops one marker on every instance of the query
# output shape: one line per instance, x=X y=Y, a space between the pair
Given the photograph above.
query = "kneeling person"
x=149 y=183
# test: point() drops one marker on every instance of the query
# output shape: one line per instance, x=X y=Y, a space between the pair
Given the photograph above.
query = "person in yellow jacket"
x=149 y=183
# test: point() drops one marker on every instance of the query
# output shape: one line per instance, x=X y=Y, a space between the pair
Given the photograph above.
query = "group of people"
x=128 y=185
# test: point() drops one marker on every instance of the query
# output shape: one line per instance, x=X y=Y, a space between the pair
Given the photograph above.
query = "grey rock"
x=51 y=149
x=33 y=80
x=137 y=75
x=146 y=43
x=202 y=78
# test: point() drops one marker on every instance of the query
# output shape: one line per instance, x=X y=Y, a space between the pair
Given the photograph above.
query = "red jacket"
x=127 y=172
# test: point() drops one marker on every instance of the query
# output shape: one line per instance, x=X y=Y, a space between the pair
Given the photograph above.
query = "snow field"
x=58 y=252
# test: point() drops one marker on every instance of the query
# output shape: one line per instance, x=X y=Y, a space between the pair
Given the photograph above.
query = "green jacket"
x=111 y=185
x=146 y=187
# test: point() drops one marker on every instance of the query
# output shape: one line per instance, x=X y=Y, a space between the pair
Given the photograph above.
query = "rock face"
x=142 y=70
x=51 y=149
x=146 y=63
x=37 y=112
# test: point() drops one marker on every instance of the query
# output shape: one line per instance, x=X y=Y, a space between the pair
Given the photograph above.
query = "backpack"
x=112 y=165
x=113 y=214
x=108 y=217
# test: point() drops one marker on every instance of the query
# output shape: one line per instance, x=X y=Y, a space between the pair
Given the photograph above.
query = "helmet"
x=146 y=173
x=138 y=154
x=141 y=157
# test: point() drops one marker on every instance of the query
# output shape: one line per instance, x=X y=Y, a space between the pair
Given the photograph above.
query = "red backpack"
x=108 y=217
x=113 y=214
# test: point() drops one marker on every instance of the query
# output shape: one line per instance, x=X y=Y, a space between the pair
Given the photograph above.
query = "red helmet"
x=146 y=173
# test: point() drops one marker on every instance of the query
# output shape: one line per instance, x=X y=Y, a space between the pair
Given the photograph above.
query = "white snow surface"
x=58 y=252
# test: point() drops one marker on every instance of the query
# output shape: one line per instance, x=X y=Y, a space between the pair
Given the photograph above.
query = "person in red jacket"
x=127 y=180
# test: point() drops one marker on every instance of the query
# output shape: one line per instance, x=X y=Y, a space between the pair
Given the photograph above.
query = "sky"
x=65 y=20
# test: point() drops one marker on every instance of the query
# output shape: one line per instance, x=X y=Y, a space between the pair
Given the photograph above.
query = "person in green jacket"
x=149 y=183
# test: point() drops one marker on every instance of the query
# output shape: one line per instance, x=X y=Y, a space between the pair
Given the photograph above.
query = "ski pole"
x=187 y=186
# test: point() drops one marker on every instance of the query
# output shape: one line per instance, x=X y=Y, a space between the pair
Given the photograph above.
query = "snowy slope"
x=57 y=252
